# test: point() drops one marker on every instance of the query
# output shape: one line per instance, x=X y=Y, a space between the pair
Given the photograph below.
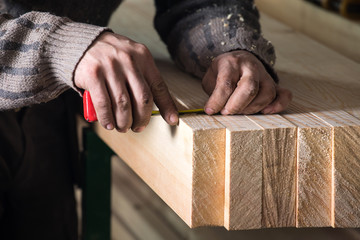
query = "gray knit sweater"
x=40 y=46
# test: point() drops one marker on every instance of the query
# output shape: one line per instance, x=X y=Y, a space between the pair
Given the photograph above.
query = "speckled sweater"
x=42 y=41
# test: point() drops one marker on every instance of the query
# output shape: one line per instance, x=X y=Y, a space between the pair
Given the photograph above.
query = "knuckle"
x=252 y=91
x=142 y=49
x=252 y=88
x=110 y=61
x=101 y=103
x=158 y=88
x=122 y=102
x=126 y=57
x=146 y=98
x=228 y=86
x=94 y=71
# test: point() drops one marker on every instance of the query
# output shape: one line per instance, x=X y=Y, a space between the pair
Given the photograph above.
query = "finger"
x=101 y=101
x=142 y=100
x=225 y=86
x=209 y=80
x=121 y=102
x=281 y=102
x=265 y=96
x=161 y=95
x=246 y=90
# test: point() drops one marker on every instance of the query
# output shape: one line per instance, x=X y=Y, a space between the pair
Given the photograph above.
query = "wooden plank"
x=330 y=29
x=187 y=175
x=346 y=133
x=314 y=168
x=279 y=171
x=243 y=173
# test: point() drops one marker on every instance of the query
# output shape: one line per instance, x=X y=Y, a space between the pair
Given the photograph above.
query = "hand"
x=123 y=82
x=238 y=83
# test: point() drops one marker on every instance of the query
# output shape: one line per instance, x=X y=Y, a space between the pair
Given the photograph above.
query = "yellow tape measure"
x=199 y=110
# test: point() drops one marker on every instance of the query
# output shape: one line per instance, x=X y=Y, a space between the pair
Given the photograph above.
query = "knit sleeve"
x=38 y=56
x=197 y=31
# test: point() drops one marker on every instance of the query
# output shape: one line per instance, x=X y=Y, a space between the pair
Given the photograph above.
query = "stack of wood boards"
x=296 y=169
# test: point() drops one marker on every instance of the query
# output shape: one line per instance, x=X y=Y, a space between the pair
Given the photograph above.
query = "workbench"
x=299 y=168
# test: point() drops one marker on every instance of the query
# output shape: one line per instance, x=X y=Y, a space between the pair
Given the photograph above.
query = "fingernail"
x=225 y=112
x=110 y=126
x=125 y=130
x=209 y=111
x=174 y=119
x=139 y=129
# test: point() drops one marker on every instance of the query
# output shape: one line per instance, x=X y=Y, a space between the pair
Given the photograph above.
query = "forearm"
x=198 y=31
x=38 y=55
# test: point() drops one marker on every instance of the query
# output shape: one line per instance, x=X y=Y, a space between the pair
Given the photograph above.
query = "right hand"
x=123 y=82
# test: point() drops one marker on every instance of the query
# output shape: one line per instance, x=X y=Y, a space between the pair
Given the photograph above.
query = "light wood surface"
x=243 y=173
x=298 y=168
x=279 y=171
x=187 y=175
x=346 y=132
x=314 y=169
x=329 y=28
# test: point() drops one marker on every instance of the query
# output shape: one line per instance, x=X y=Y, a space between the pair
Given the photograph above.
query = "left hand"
x=238 y=83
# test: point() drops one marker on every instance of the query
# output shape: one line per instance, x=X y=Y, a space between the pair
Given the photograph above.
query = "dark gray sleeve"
x=197 y=31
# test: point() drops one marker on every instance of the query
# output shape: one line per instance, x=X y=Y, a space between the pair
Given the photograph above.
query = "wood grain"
x=314 y=169
x=243 y=173
x=279 y=171
x=168 y=160
x=346 y=133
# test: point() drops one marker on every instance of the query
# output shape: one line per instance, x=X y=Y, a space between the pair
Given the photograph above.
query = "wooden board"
x=243 y=173
x=346 y=133
x=314 y=169
x=188 y=176
x=329 y=28
x=279 y=171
